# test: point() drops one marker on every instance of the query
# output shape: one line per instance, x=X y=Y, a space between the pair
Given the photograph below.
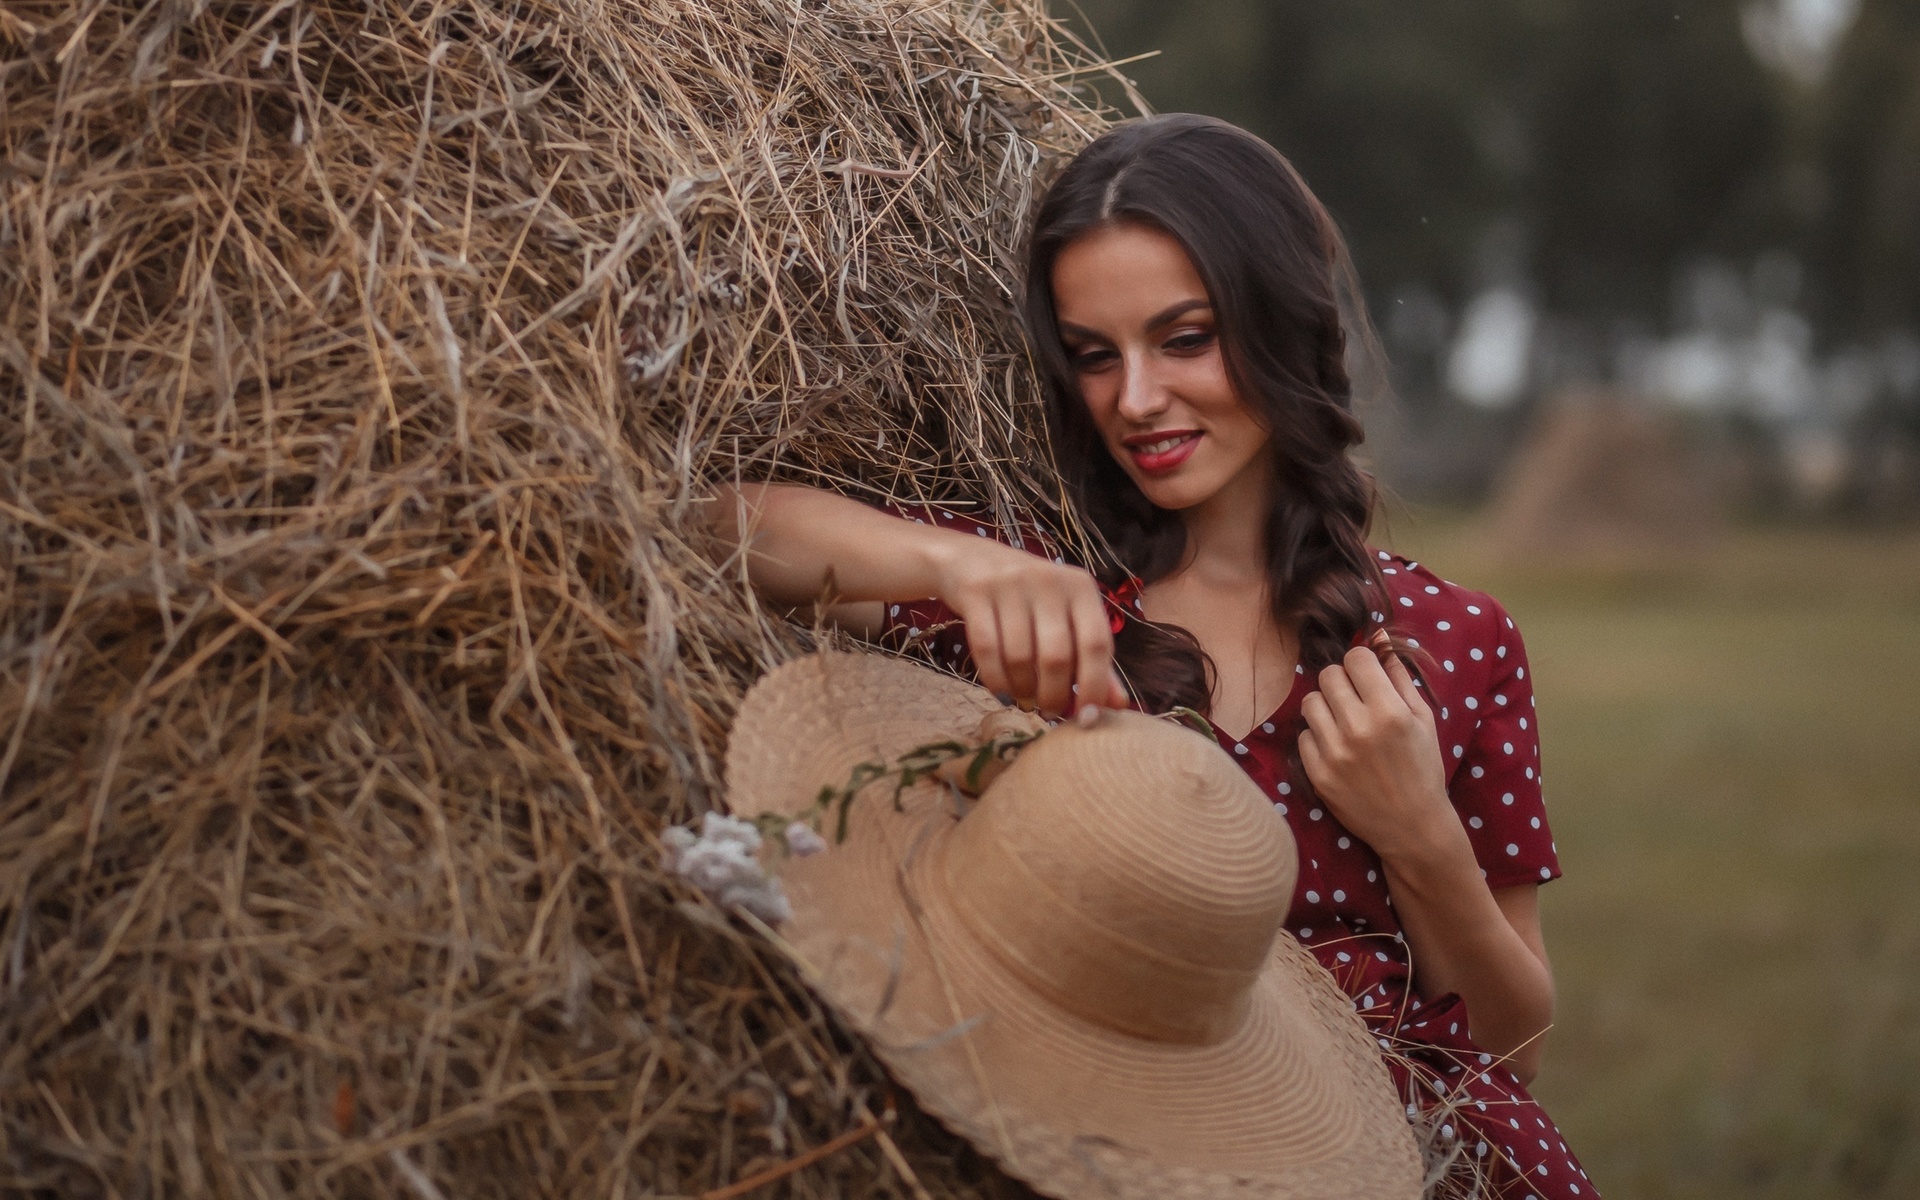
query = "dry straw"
x=360 y=360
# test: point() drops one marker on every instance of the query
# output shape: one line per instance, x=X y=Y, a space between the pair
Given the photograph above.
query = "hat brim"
x=1296 y=1103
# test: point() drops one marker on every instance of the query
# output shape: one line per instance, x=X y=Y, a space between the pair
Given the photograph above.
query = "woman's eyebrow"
x=1171 y=313
x=1174 y=311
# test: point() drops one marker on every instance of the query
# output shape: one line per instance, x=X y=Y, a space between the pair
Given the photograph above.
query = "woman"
x=1182 y=301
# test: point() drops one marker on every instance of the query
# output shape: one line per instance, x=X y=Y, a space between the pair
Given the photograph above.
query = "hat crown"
x=1132 y=873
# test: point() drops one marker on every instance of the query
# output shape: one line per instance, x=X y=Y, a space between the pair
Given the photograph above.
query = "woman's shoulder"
x=1482 y=691
x=1422 y=597
x=1443 y=617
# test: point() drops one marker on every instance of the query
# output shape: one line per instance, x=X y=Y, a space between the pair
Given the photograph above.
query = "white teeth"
x=1161 y=447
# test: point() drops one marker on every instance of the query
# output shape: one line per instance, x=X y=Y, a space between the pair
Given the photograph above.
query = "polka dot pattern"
x=1342 y=912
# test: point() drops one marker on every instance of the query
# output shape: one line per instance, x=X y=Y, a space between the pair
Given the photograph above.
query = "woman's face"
x=1141 y=335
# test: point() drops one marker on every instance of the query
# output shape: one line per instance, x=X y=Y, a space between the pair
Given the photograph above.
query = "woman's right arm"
x=1037 y=630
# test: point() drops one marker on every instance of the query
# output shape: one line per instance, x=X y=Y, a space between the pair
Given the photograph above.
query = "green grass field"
x=1732 y=761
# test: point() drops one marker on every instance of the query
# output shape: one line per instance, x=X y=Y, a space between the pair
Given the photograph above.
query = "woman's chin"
x=1175 y=493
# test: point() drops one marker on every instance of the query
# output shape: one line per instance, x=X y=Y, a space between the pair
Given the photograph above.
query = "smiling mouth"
x=1157 y=452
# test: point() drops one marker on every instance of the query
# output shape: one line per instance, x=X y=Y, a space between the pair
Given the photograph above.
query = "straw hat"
x=1085 y=975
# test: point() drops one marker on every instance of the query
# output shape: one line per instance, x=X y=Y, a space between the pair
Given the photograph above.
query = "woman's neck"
x=1227 y=532
x=1220 y=594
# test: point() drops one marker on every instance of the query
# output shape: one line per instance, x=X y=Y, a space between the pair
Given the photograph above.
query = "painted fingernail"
x=1087 y=716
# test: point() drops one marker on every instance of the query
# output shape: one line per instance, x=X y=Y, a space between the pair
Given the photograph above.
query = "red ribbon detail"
x=1123 y=602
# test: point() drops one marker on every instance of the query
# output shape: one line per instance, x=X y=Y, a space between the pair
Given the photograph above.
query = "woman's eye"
x=1091 y=359
x=1190 y=342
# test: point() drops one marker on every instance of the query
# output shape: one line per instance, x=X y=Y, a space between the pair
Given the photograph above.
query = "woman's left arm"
x=1371 y=751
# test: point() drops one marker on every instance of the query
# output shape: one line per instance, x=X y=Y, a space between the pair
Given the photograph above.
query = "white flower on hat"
x=721 y=861
x=804 y=840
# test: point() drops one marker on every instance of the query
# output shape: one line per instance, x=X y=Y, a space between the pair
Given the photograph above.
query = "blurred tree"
x=1598 y=142
x=1386 y=108
x=1656 y=135
x=1856 y=179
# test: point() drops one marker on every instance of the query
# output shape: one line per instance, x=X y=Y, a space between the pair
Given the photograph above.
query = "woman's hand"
x=1038 y=630
x=1372 y=754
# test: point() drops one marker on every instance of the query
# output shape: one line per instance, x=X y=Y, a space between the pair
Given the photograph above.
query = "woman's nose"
x=1142 y=396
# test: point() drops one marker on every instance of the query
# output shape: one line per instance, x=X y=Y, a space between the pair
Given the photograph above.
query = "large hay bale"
x=1603 y=481
x=360 y=360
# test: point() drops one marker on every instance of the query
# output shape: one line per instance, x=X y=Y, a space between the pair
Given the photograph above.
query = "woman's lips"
x=1162 y=453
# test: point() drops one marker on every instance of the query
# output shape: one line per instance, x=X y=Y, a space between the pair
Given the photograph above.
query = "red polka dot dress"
x=1482 y=695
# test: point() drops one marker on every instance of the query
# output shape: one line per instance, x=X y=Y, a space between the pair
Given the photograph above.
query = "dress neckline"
x=1275 y=718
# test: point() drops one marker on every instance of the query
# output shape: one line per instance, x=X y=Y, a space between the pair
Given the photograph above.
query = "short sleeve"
x=1496 y=787
x=928 y=628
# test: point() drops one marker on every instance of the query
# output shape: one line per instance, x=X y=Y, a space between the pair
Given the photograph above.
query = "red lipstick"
x=1161 y=451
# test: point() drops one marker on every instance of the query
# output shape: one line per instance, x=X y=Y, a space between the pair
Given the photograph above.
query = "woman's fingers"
x=1403 y=683
x=1015 y=622
x=1313 y=759
x=1093 y=678
x=1038 y=632
x=1321 y=722
x=983 y=644
x=1071 y=653
x=1343 y=702
x=1370 y=680
x=1054 y=653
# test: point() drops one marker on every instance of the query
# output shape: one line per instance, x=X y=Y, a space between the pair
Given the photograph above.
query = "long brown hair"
x=1273 y=264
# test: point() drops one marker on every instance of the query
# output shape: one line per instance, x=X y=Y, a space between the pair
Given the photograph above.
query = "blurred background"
x=1649 y=278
